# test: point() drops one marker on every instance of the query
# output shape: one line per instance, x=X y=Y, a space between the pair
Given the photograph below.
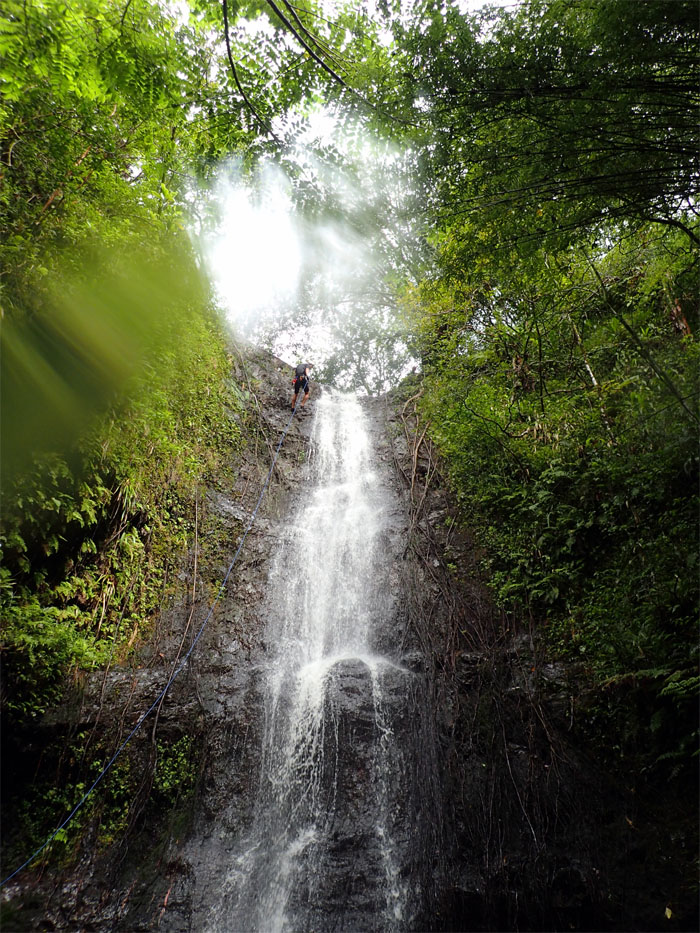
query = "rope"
x=177 y=671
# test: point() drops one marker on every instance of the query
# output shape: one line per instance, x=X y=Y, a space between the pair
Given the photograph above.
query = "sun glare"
x=255 y=257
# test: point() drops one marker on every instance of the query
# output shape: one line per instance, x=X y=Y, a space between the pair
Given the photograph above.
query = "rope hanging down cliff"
x=177 y=671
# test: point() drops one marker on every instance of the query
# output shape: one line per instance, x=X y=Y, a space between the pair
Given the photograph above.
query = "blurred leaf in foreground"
x=65 y=363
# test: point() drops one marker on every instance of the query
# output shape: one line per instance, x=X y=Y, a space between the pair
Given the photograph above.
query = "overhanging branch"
x=249 y=104
x=295 y=32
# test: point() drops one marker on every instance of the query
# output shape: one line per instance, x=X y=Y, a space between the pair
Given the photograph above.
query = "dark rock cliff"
x=139 y=881
x=512 y=826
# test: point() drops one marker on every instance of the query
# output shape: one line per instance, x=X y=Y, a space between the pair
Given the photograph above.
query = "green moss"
x=176 y=770
x=117 y=806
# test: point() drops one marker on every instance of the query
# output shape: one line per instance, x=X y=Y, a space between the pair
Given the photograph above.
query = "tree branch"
x=317 y=58
x=124 y=12
x=234 y=72
x=322 y=47
x=672 y=222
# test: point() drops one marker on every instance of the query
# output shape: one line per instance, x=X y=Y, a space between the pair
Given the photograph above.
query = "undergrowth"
x=89 y=539
x=147 y=789
x=571 y=447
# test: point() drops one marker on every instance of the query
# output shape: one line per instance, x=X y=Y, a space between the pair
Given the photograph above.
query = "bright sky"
x=256 y=255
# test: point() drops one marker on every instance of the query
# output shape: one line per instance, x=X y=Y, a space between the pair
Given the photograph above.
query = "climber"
x=301 y=381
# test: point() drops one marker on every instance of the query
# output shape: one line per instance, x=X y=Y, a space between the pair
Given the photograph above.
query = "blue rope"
x=172 y=677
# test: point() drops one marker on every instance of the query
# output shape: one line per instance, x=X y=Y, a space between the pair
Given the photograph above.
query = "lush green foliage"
x=558 y=116
x=548 y=165
x=94 y=98
x=584 y=490
x=140 y=793
x=557 y=335
x=87 y=544
x=116 y=400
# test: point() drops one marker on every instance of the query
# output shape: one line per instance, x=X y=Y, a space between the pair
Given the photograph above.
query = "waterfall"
x=329 y=842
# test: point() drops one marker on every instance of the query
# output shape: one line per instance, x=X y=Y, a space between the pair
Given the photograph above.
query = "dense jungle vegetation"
x=557 y=338
x=544 y=282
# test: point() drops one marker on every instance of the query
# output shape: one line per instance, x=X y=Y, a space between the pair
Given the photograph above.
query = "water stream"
x=329 y=843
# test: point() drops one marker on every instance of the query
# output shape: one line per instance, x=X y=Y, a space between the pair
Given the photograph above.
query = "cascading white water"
x=323 y=839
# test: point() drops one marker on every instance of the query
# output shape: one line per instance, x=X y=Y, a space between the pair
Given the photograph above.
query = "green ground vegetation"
x=90 y=536
x=147 y=790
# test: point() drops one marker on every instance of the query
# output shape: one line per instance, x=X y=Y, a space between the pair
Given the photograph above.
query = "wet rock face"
x=326 y=838
x=358 y=852
x=344 y=890
x=444 y=773
x=348 y=882
x=150 y=881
